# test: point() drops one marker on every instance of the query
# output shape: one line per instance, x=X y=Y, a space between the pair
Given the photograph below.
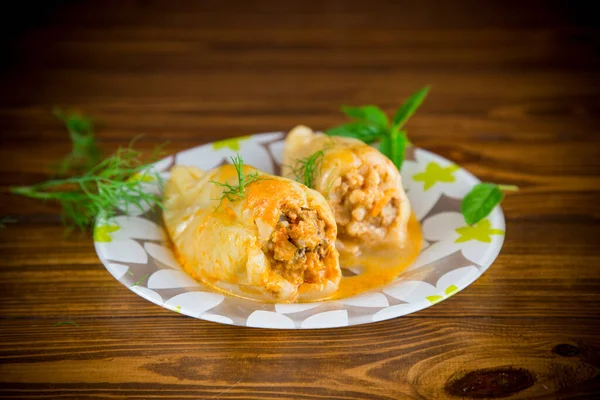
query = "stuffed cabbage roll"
x=362 y=186
x=273 y=239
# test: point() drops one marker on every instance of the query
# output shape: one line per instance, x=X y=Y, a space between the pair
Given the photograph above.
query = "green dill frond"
x=306 y=169
x=6 y=220
x=115 y=181
x=66 y=323
x=139 y=281
x=236 y=192
x=332 y=180
x=85 y=152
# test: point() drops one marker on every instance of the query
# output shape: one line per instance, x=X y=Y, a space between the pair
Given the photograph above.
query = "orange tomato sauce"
x=378 y=267
x=381 y=266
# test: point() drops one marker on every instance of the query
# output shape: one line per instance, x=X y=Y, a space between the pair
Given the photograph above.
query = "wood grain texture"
x=515 y=99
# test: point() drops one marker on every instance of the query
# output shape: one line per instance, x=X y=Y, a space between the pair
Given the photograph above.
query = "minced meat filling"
x=362 y=206
x=298 y=245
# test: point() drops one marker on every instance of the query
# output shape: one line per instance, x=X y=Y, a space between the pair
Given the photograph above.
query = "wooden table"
x=514 y=100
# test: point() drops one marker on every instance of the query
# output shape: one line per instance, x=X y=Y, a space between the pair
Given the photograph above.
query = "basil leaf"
x=393 y=147
x=480 y=202
x=366 y=132
x=409 y=107
x=367 y=113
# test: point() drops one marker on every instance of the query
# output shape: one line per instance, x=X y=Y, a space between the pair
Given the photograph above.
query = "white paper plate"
x=132 y=247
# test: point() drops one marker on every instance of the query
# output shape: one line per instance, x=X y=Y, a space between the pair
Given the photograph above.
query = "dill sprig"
x=6 y=220
x=332 y=181
x=116 y=180
x=236 y=192
x=85 y=152
x=307 y=168
x=66 y=323
x=139 y=281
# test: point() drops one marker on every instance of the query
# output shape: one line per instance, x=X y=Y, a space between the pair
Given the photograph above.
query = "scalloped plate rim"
x=490 y=256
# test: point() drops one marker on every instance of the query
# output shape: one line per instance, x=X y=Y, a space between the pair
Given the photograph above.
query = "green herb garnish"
x=85 y=153
x=371 y=124
x=6 y=220
x=365 y=131
x=481 y=200
x=409 y=107
x=329 y=188
x=394 y=146
x=117 y=180
x=140 y=280
x=66 y=323
x=306 y=168
x=236 y=192
x=369 y=113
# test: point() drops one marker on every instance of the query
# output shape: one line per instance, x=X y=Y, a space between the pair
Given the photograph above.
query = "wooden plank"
x=414 y=358
x=514 y=100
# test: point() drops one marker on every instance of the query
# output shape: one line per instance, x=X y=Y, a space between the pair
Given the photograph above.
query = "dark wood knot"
x=566 y=350
x=491 y=383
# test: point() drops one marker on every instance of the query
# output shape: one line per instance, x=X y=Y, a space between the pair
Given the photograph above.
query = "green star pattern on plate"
x=233 y=143
x=436 y=298
x=434 y=173
x=102 y=233
x=482 y=232
x=450 y=290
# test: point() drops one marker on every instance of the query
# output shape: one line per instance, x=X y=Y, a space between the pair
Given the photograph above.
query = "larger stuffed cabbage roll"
x=363 y=187
x=272 y=240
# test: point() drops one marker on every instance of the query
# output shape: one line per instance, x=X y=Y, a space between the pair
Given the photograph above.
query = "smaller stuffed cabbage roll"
x=362 y=186
x=272 y=240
